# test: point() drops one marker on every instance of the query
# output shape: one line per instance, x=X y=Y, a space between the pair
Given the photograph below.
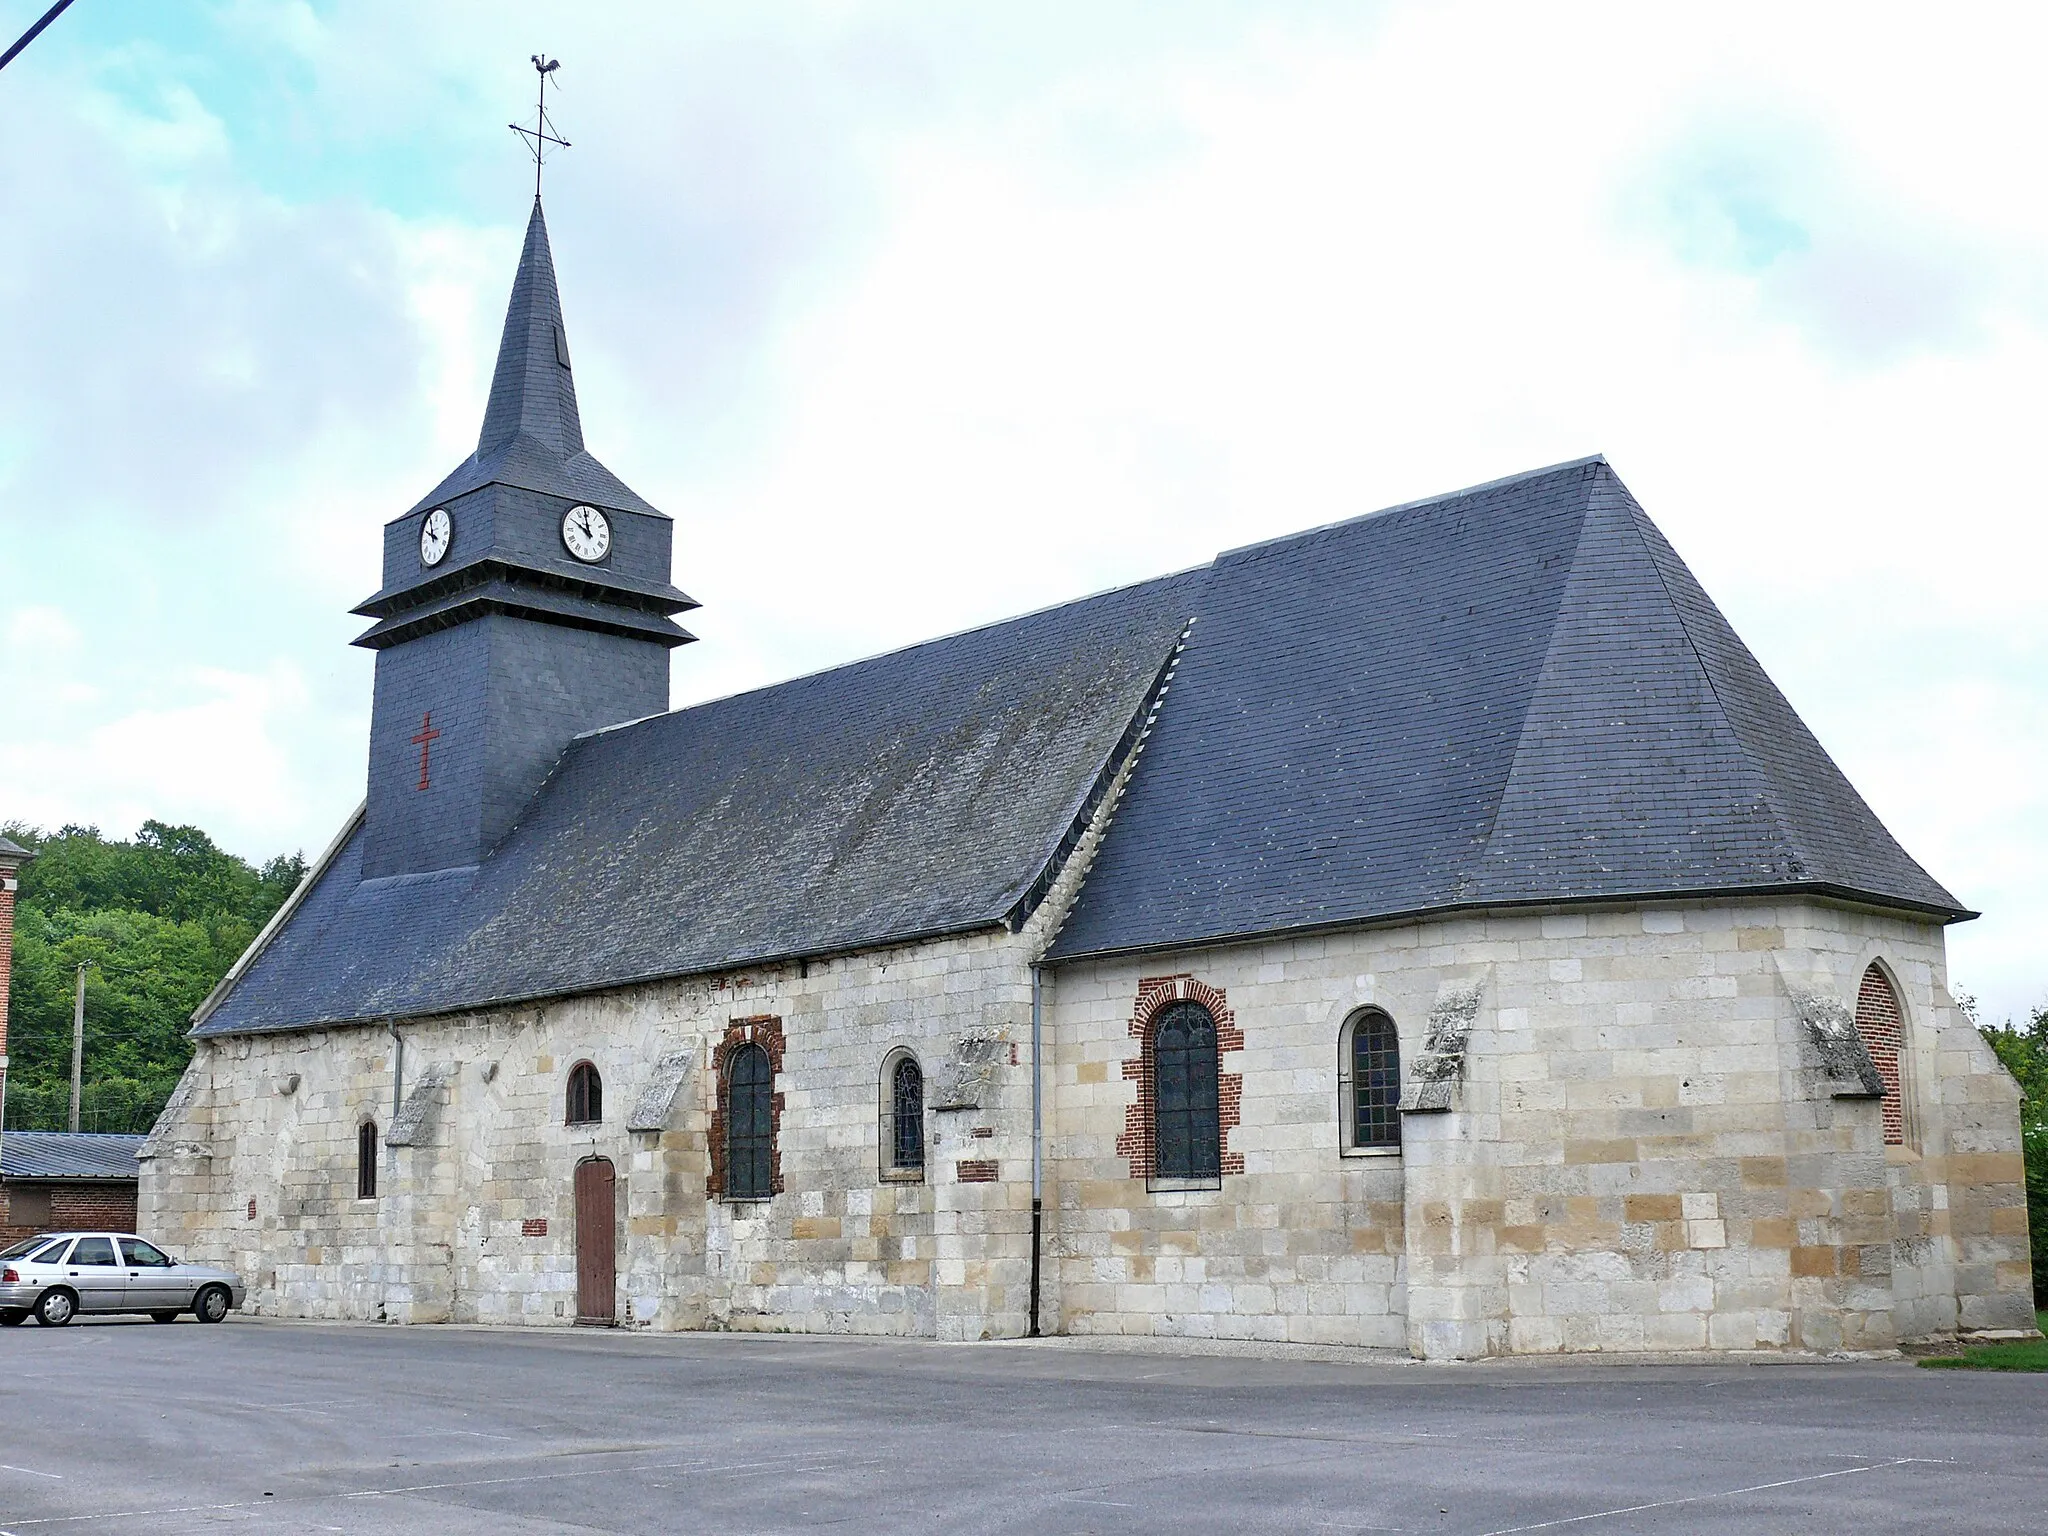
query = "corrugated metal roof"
x=63 y=1155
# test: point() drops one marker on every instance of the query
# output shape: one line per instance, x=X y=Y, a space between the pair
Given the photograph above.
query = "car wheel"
x=12 y=1317
x=56 y=1308
x=163 y=1317
x=212 y=1304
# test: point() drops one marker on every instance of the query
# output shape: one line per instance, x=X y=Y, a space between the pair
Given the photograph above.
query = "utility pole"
x=77 y=1042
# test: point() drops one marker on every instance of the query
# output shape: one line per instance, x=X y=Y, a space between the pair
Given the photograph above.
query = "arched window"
x=586 y=1095
x=1187 y=1140
x=1369 y=1082
x=1879 y=1022
x=902 y=1117
x=749 y=1124
x=366 y=1160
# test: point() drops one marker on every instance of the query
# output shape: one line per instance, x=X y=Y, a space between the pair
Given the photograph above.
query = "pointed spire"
x=533 y=393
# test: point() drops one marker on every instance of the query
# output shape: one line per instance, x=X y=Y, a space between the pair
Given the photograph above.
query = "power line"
x=34 y=32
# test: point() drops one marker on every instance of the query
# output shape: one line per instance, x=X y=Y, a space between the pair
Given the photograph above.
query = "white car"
x=60 y=1274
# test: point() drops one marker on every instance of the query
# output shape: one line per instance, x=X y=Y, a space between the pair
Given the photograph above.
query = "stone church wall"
x=1644 y=1148
x=1643 y=1152
x=476 y=1222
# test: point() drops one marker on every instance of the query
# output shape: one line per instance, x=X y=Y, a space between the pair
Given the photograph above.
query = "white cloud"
x=916 y=319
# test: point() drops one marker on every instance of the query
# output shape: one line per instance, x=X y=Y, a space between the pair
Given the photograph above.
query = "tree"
x=160 y=918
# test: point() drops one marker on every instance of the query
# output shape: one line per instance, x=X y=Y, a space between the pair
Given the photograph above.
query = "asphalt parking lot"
x=130 y=1426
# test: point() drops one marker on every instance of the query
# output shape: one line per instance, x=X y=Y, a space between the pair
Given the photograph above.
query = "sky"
x=914 y=317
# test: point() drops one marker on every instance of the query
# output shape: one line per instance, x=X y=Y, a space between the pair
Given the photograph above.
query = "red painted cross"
x=425 y=742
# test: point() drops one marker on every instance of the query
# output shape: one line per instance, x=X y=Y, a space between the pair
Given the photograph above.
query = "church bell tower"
x=524 y=601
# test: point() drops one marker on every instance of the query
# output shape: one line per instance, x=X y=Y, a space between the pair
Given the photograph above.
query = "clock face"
x=436 y=530
x=587 y=533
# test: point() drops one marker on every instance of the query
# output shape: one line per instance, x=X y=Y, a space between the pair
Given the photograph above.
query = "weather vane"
x=542 y=133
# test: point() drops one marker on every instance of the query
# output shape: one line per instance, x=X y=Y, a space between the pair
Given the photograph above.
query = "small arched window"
x=1882 y=1025
x=366 y=1160
x=749 y=1124
x=586 y=1095
x=1369 y=1082
x=1187 y=1141
x=902 y=1117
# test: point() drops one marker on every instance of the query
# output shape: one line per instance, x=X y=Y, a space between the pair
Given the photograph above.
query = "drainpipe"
x=1037 y=1138
x=397 y=1070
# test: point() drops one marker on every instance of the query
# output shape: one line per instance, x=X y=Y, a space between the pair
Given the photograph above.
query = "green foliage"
x=2022 y=1355
x=2024 y=1050
x=160 y=919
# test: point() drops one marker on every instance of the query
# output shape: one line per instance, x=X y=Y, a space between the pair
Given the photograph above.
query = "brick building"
x=1430 y=931
x=57 y=1181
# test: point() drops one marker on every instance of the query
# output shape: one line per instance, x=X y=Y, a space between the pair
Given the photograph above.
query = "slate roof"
x=9 y=849
x=926 y=791
x=1513 y=694
x=64 y=1155
x=533 y=433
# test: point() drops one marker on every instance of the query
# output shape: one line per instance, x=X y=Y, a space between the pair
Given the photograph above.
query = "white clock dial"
x=587 y=533
x=436 y=530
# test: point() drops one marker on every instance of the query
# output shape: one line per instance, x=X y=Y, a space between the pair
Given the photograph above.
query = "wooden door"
x=596 y=1243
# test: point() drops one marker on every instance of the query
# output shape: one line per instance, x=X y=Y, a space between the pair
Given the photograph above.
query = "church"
x=1429 y=932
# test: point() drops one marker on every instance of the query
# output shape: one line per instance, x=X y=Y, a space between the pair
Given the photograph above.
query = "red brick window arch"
x=1177 y=1133
x=746 y=1118
x=1882 y=1026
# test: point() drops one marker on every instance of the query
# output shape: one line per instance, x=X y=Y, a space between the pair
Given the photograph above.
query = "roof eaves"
x=1807 y=888
x=994 y=921
x=591 y=582
x=97 y=1176
x=525 y=603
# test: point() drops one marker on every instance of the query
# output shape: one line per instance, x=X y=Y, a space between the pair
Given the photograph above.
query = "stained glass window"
x=1187 y=1137
x=749 y=1125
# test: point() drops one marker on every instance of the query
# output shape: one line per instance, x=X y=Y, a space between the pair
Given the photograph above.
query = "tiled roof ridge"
x=533 y=389
x=1610 y=510
x=893 y=652
x=1483 y=844
x=1422 y=503
x=1090 y=804
x=1804 y=798
x=1803 y=864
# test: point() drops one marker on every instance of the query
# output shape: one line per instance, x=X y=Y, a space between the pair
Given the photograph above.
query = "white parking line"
x=31 y=1471
x=1702 y=1498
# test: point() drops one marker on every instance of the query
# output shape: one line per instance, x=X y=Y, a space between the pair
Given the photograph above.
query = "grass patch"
x=2019 y=1355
